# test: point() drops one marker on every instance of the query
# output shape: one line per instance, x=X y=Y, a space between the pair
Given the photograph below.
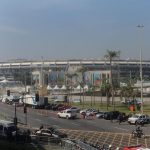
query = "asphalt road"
x=36 y=117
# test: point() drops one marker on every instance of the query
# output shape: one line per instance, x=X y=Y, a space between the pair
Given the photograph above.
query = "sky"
x=73 y=29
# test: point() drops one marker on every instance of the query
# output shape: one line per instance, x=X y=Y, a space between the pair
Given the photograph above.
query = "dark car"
x=100 y=114
x=143 y=121
x=55 y=107
x=49 y=106
x=111 y=115
x=56 y=133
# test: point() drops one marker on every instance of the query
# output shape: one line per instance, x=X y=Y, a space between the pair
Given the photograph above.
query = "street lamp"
x=141 y=71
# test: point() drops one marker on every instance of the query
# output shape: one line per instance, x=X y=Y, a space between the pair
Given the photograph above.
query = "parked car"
x=44 y=132
x=111 y=115
x=57 y=106
x=83 y=111
x=64 y=107
x=56 y=133
x=100 y=115
x=67 y=114
x=75 y=109
x=91 y=110
x=48 y=107
x=133 y=119
x=143 y=121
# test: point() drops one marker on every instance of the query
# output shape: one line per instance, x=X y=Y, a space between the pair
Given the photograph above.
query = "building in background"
x=96 y=71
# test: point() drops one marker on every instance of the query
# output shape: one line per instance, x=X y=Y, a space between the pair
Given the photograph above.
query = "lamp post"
x=15 y=117
x=141 y=75
x=141 y=71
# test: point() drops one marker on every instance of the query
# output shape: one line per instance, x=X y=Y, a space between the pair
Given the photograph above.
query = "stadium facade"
x=56 y=70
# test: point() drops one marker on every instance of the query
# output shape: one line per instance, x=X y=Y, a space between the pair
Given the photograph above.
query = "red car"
x=64 y=107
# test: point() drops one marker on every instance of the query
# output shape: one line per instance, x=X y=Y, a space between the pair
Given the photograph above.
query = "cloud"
x=9 y=29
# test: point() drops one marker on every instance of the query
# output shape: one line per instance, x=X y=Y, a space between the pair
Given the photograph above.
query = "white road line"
x=121 y=129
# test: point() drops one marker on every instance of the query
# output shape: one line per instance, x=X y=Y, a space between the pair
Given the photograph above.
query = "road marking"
x=121 y=129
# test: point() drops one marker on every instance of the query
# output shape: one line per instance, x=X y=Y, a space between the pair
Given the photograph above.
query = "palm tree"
x=111 y=55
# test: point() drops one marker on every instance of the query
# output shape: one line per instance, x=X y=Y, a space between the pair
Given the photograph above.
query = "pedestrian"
x=111 y=117
x=83 y=115
x=120 y=118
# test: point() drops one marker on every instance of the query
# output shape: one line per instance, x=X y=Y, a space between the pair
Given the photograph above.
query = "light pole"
x=141 y=71
x=141 y=75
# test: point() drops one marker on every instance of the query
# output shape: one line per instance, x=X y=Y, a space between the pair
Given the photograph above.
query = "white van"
x=7 y=128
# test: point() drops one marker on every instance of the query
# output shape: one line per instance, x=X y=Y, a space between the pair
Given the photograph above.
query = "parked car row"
x=137 y=119
x=101 y=114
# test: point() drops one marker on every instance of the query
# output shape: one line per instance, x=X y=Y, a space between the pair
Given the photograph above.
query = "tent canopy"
x=56 y=87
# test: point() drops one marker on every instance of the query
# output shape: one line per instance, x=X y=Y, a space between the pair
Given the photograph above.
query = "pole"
x=42 y=73
x=141 y=75
x=25 y=99
x=15 y=117
x=141 y=72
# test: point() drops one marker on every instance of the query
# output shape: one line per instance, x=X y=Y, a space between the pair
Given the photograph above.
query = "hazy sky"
x=66 y=29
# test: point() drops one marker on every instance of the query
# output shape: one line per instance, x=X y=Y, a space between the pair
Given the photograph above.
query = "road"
x=36 y=117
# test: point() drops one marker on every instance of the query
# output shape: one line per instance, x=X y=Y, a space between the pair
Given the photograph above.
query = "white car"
x=67 y=114
x=44 y=132
x=134 y=118
x=83 y=111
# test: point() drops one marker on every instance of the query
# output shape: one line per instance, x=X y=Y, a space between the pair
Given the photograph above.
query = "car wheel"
x=58 y=116
x=67 y=117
